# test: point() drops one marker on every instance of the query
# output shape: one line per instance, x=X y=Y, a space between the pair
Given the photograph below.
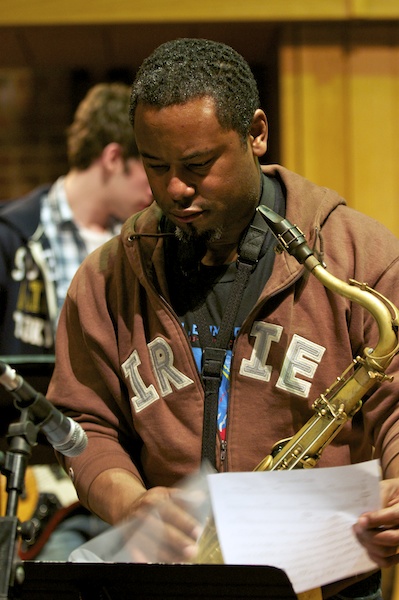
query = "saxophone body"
x=343 y=399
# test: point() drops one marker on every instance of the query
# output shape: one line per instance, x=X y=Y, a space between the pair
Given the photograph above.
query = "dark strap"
x=213 y=359
x=214 y=353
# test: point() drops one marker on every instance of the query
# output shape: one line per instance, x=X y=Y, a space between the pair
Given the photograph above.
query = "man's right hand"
x=160 y=524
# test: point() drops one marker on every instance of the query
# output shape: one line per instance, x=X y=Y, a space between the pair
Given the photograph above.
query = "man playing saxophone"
x=189 y=339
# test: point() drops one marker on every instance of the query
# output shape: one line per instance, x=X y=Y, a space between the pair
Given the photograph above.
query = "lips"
x=186 y=216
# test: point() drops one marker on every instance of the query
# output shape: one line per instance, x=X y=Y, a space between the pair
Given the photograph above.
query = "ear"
x=111 y=157
x=258 y=133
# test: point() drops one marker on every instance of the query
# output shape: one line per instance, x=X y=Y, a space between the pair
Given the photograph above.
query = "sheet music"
x=298 y=520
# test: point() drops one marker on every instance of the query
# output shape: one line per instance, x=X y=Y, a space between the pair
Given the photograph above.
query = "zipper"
x=252 y=315
x=223 y=451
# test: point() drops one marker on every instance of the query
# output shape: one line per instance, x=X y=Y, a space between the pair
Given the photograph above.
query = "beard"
x=192 y=246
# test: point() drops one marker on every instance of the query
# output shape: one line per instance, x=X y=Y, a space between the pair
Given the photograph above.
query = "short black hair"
x=188 y=68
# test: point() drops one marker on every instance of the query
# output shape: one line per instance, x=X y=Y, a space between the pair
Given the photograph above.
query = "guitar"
x=48 y=499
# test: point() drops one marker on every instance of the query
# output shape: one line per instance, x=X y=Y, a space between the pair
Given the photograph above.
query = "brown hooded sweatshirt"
x=125 y=369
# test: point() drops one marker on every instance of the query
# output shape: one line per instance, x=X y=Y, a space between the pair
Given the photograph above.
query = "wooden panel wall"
x=339 y=121
x=18 y=12
x=23 y=12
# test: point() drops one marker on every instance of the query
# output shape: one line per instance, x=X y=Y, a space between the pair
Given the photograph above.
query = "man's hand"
x=156 y=525
x=164 y=529
x=378 y=531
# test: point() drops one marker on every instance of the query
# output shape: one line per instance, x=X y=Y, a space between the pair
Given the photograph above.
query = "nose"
x=180 y=191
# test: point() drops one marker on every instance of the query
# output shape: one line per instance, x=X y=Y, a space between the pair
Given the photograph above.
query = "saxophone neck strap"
x=250 y=251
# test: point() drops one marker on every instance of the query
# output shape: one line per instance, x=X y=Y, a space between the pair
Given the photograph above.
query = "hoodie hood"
x=311 y=215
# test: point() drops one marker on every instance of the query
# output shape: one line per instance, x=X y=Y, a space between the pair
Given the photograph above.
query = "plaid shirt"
x=66 y=243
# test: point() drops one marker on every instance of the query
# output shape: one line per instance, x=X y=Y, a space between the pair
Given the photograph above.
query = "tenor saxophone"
x=343 y=399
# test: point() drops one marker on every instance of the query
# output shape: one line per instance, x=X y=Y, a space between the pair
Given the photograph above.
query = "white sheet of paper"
x=298 y=520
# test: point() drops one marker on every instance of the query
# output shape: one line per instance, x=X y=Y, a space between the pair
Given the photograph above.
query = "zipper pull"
x=223 y=450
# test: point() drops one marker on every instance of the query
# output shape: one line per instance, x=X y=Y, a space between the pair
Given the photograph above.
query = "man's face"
x=204 y=178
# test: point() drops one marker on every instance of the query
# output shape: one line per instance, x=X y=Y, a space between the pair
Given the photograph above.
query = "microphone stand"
x=22 y=436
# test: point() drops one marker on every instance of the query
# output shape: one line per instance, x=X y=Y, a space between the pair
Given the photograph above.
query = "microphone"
x=63 y=433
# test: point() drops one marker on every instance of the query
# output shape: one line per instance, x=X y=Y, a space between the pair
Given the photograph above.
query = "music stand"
x=100 y=581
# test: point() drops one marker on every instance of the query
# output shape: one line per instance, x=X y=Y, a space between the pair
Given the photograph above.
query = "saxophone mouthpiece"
x=289 y=236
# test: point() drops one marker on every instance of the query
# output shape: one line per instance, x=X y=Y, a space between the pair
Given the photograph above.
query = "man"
x=45 y=236
x=138 y=314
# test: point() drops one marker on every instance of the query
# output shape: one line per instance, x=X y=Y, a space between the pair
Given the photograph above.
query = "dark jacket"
x=26 y=287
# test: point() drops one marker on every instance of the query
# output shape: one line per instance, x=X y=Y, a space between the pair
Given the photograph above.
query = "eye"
x=158 y=168
x=200 y=166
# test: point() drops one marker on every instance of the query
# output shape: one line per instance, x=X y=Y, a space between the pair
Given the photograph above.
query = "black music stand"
x=106 y=581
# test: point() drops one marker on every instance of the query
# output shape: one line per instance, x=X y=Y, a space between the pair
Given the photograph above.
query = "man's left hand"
x=378 y=531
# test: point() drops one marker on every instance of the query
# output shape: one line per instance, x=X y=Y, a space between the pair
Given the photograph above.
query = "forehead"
x=193 y=123
x=198 y=108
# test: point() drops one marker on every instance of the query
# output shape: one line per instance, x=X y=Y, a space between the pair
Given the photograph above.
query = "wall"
x=332 y=97
x=339 y=101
